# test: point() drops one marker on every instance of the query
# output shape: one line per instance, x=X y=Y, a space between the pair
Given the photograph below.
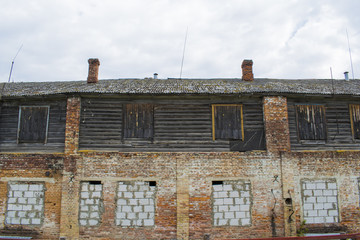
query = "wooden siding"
x=355 y=120
x=9 y=118
x=139 y=121
x=33 y=124
x=311 y=124
x=184 y=125
x=227 y=121
x=338 y=125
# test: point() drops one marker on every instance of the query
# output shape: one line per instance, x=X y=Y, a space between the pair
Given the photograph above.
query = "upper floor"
x=180 y=115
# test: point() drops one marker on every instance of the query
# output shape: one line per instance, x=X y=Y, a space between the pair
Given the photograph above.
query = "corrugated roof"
x=185 y=86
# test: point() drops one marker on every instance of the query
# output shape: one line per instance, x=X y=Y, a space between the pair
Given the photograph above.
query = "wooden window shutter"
x=33 y=124
x=138 y=121
x=227 y=121
x=311 y=122
x=355 y=120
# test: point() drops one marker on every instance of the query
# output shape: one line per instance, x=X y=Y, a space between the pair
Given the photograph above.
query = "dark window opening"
x=227 y=121
x=355 y=120
x=95 y=182
x=138 y=122
x=217 y=182
x=311 y=122
x=33 y=124
x=152 y=184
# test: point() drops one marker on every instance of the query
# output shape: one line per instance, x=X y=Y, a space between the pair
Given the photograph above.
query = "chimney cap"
x=94 y=61
x=247 y=62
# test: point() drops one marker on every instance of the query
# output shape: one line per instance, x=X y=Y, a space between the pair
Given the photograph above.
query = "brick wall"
x=30 y=201
x=276 y=124
x=185 y=193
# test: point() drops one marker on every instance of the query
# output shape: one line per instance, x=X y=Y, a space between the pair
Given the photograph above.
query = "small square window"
x=311 y=122
x=355 y=120
x=138 y=121
x=33 y=124
x=227 y=121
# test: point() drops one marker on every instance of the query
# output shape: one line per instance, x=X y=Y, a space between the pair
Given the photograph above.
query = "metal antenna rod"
x=12 y=63
x=331 y=73
x=352 y=69
x=182 y=60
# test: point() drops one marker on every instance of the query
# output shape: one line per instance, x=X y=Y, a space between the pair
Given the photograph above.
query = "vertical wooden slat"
x=311 y=122
x=33 y=124
x=138 y=121
x=355 y=120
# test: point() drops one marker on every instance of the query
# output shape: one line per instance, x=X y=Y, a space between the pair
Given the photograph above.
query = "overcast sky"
x=288 y=39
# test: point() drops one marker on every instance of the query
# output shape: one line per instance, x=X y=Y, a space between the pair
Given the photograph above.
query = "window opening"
x=355 y=120
x=227 y=121
x=311 y=122
x=33 y=124
x=138 y=121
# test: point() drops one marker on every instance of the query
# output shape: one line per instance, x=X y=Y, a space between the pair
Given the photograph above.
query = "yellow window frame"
x=213 y=118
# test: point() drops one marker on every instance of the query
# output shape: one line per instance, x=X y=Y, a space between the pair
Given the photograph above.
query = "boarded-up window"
x=311 y=122
x=138 y=121
x=355 y=120
x=227 y=121
x=33 y=124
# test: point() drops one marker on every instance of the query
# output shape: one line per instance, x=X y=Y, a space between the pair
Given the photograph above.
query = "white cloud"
x=135 y=38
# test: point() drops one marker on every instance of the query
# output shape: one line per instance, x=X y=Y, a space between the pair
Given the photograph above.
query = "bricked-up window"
x=33 y=124
x=355 y=120
x=138 y=122
x=311 y=122
x=231 y=203
x=135 y=204
x=319 y=198
x=91 y=203
x=25 y=204
x=227 y=121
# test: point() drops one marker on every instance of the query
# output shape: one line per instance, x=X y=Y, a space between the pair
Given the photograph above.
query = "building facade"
x=179 y=158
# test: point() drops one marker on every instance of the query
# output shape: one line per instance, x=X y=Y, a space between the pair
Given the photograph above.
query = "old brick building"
x=179 y=158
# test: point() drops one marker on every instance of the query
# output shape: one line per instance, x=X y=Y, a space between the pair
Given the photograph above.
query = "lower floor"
x=178 y=195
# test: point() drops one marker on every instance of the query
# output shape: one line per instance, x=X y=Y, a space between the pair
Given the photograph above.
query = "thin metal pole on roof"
x=13 y=61
x=331 y=73
x=182 y=60
x=352 y=69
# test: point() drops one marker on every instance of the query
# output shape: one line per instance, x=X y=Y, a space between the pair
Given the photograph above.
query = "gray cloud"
x=286 y=39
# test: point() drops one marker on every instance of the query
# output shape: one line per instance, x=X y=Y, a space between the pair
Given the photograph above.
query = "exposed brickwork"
x=72 y=125
x=50 y=222
x=184 y=187
x=247 y=72
x=94 y=64
x=69 y=227
x=276 y=124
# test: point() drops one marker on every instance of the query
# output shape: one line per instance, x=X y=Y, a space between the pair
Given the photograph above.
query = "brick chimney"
x=94 y=64
x=247 y=73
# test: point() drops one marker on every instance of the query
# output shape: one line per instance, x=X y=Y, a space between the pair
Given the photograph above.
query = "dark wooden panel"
x=228 y=122
x=311 y=122
x=355 y=120
x=33 y=124
x=182 y=125
x=9 y=119
x=138 y=121
x=338 y=125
